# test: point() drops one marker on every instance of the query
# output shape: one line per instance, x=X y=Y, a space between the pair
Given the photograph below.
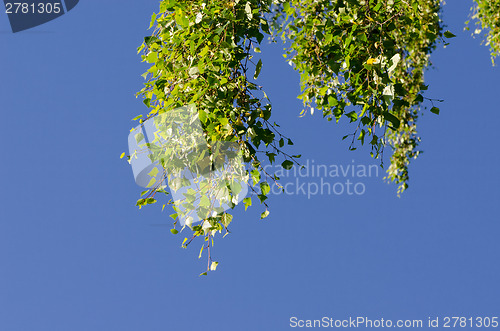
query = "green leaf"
x=201 y=252
x=151 y=182
x=202 y=116
x=139 y=137
x=419 y=98
x=153 y=172
x=287 y=164
x=332 y=101
x=174 y=231
x=181 y=19
x=352 y=115
x=288 y=9
x=271 y=157
x=153 y=19
x=264 y=187
x=392 y=119
x=435 y=110
x=255 y=174
x=204 y=201
x=247 y=202
x=257 y=69
x=226 y=219
x=448 y=34
x=204 y=51
x=152 y=57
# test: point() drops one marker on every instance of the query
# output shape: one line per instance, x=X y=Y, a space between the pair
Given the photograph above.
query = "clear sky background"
x=76 y=254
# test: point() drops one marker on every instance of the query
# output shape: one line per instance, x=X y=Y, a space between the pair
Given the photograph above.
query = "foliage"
x=201 y=53
x=359 y=60
x=486 y=13
x=364 y=60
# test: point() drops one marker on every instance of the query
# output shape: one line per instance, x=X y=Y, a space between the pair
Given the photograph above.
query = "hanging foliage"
x=359 y=60
x=486 y=14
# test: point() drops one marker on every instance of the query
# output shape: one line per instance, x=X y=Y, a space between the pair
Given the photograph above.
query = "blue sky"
x=76 y=254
